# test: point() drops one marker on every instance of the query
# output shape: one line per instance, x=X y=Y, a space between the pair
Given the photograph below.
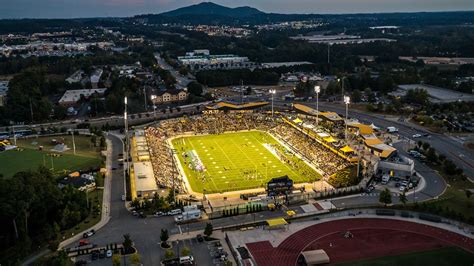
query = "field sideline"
x=237 y=161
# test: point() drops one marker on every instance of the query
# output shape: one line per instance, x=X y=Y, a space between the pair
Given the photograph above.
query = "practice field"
x=441 y=257
x=238 y=161
x=30 y=158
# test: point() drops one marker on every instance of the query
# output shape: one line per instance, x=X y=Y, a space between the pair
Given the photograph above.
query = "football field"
x=237 y=161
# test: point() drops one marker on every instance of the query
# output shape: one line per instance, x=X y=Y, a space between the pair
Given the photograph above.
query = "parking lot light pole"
x=347 y=101
x=272 y=92
x=317 y=89
x=153 y=98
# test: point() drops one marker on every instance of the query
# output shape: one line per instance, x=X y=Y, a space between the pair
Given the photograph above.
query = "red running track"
x=372 y=238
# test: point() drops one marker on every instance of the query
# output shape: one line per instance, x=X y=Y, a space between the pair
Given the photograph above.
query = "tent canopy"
x=346 y=149
x=330 y=139
x=276 y=222
x=297 y=120
x=315 y=257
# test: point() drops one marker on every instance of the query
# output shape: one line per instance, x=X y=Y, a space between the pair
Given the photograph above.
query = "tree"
x=53 y=245
x=116 y=260
x=385 y=197
x=431 y=155
x=185 y=251
x=127 y=243
x=208 y=230
x=356 y=96
x=164 y=236
x=468 y=193
x=169 y=254
x=403 y=198
x=135 y=259
x=195 y=88
x=426 y=146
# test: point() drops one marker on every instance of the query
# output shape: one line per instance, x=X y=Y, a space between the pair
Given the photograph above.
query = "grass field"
x=440 y=257
x=237 y=161
x=30 y=157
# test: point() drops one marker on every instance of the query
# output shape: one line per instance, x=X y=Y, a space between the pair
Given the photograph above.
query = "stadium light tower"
x=153 y=98
x=317 y=89
x=125 y=119
x=272 y=92
x=347 y=101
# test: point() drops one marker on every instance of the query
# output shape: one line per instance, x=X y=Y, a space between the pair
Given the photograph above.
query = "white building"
x=201 y=59
x=145 y=183
x=71 y=97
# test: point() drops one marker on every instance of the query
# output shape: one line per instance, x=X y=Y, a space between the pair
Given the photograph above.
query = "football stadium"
x=240 y=151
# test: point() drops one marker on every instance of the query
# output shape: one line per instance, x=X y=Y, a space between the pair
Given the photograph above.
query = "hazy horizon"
x=125 y=8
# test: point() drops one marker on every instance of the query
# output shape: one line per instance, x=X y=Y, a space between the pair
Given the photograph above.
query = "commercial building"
x=145 y=183
x=339 y=39
x=3 y=92
x=95 y=78
x=169 y=96
x=395 y=166
x=71 y=97
x=436 y=94
x=202 y=60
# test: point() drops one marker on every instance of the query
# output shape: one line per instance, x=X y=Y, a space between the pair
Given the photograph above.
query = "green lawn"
x=439 y=257
x=30 y=157
x=236 y=161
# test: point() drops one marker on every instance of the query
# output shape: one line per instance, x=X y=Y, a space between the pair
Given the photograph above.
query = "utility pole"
x=144 y=97
x=31 y=111
x=329 y=48
x=73 y=142
x=347 y=100
x=241 y=91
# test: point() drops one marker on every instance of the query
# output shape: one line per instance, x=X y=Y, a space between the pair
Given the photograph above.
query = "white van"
x=385 y=179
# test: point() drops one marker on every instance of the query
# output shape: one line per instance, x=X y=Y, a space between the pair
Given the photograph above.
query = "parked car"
x=174 y=212
x=94 y=255
x=88 y=234
x=200 y=238
x=417 y=136
x=84 y=242
x=109 y=253
x=158 y=214
x=402 y=188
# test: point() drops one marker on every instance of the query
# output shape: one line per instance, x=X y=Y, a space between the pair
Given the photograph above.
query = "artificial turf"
x=238 y=161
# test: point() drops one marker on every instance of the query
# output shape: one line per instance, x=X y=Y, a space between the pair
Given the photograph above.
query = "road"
x=181 y=81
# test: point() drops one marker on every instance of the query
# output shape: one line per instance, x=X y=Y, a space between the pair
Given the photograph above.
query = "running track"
x=372 y=238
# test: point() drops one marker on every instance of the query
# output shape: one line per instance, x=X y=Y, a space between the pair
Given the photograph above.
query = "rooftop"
x=144 y=177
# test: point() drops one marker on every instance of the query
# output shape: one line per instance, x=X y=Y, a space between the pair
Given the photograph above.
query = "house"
x=169 y=96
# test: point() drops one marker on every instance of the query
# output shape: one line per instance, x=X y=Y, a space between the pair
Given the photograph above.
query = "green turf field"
x=30 y=157
x=237 y=161
x=439 y=257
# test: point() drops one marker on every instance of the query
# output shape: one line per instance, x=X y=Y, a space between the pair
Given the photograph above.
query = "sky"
x=121 y=8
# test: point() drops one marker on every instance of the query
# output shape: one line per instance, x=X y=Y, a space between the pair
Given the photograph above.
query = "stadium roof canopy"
x=276 y=222
x=297 y=121
x=330 y=139
x=232 y=106
x=315 y=257
x=363 y=129
x=331 y=116
x=346 y=149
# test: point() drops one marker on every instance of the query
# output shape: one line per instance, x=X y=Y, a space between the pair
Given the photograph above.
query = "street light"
x=317 y=89
x=153 y=98
x=272 y=92
x=347 y=101
x=342 y=86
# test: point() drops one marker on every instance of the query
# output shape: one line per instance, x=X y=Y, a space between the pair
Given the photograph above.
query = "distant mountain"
x=212 y=9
